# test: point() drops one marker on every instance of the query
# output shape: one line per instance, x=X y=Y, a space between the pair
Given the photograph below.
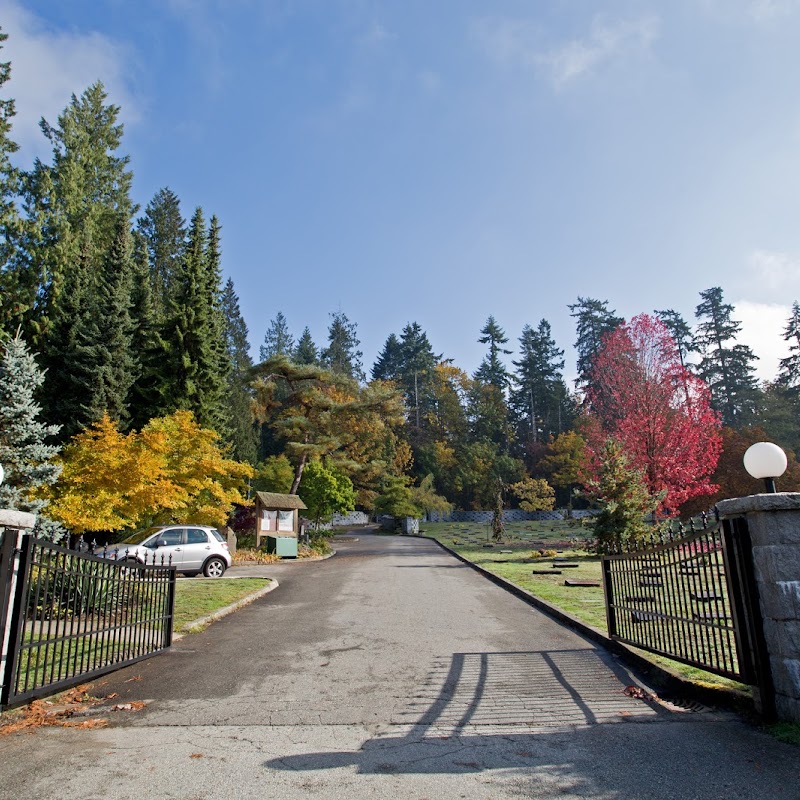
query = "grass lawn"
x=527 y=541
x=195 y=598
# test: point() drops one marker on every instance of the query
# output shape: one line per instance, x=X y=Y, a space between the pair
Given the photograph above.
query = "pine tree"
x=389 y=363
x=593 y=322
x=147 y=345
x=417 y=363
x=14 y=299
x=164 y=231
x=726 y=367
x=70 y=359
x=342 y=355
x=278 y=341
x=90 y=360
x=492 y=370
x=536 y=402
x=624 y=502
x=24 y=453
x=73 y=205
x=111 y=332
x=681 y=333
x=306 y=351
x=192 y=377
x=789 y=371
x=243 y=436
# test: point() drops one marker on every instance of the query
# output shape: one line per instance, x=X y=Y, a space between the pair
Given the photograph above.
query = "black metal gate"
x=691 y=599
x=69 y=616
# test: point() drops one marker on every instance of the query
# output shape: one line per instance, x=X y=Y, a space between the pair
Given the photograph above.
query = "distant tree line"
x=120 y=336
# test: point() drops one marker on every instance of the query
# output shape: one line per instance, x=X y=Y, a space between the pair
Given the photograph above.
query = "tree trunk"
x=298 y=474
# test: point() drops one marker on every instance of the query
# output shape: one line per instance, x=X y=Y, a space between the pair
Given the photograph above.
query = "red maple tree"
x=641 y=396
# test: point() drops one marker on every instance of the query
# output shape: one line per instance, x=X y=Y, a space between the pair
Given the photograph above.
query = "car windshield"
x=140 y=536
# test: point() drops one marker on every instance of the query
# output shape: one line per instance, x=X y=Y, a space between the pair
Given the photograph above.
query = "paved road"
x=393 y=671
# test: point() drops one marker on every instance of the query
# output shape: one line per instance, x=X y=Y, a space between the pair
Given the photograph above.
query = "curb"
x=224 y=612
x=663 y=678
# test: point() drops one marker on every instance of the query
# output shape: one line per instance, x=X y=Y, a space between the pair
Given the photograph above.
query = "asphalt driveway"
x=392 y=670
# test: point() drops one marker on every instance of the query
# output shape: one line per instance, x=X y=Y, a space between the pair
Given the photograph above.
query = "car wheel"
x=214 y=568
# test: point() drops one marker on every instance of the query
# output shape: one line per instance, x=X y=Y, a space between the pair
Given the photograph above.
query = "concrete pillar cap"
x=780 y=501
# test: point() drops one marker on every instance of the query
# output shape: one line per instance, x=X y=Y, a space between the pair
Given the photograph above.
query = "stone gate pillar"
x=773 y=521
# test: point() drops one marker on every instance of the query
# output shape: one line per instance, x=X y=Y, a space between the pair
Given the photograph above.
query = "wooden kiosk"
x=278 y=520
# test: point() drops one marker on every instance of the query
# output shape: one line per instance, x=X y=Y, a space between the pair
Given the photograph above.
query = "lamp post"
x=765 y=460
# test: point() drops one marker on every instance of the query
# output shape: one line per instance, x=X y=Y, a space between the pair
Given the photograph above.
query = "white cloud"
x=775 y=275
x=519 y=43
x=762 y=330
x=605 y=42
x=48 y=66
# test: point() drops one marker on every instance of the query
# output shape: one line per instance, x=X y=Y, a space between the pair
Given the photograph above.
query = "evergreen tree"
x=73 y=205
x=536 y=402
x=147 y=345
x=243 y=435
x=726 y=367
x=24 y=453
x=593 y=322
x=192 y=377
x=342 y=355
x=306 y=351
x=492 y=370
x=624 y=502
x=90 y=360
x=70 y=356
x=13 y=296
x=417 y=365
x=278 y=341
x=164 y=231
x=218 y=377
x=389 y=363
x=681 y=333
x=111 y=333
x=789 y=371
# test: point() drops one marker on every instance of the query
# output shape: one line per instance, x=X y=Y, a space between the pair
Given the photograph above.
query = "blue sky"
x=443 y=160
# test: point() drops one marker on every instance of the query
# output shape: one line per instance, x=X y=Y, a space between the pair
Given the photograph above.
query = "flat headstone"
x=581 y=583
x=706 y=597
x=565 y=565
x=545 y=572
x=650 y=582
x=645 y=616
x=506 y=551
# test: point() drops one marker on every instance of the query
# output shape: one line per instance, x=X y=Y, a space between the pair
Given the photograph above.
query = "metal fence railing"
x=678 y=599
x=73 y=616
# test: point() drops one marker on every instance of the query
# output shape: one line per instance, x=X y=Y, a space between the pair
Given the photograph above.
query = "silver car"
x=191 y=549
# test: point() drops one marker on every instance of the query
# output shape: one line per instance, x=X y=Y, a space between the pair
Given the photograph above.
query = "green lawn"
x=196 y=598
x=558 y=539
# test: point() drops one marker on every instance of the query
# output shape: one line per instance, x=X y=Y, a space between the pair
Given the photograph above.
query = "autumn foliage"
x=172 y=470
x=642 y=397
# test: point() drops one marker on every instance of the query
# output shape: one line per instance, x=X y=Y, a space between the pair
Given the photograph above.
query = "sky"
x=441 y=161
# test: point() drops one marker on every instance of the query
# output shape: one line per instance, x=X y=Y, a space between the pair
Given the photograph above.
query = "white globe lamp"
x=766 y=461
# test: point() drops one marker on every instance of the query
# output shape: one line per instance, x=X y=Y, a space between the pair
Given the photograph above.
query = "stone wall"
x=773 y=521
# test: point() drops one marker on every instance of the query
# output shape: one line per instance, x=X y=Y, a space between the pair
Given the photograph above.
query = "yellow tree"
x=173 y=470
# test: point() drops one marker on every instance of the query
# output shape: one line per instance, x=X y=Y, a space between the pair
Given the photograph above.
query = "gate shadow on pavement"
x=491 y=705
